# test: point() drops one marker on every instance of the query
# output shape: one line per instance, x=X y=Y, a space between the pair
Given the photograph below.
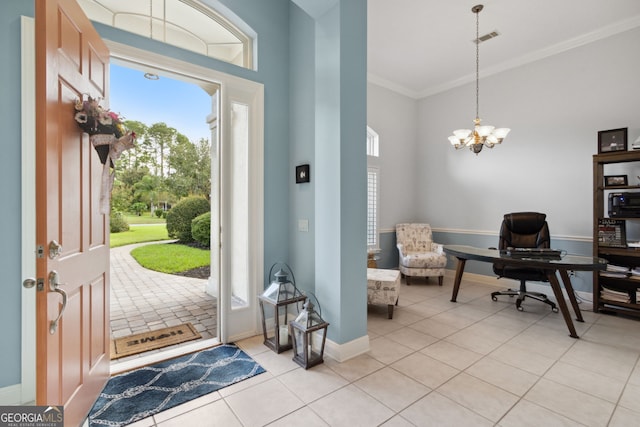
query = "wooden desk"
x=550 y=266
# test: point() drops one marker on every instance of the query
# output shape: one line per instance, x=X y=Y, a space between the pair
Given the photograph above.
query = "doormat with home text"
x=153 y=340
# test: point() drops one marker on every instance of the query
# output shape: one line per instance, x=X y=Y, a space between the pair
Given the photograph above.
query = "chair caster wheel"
x=494 y=298
x=520 y=308
x=554 y=309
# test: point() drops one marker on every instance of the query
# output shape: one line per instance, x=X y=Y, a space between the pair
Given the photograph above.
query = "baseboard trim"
x=343 y=352
x=11 y=395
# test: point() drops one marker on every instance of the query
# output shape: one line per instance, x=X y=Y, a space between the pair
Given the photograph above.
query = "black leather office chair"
x=523 y=230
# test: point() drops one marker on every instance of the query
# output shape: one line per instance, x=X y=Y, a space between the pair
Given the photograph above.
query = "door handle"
x=55 y=287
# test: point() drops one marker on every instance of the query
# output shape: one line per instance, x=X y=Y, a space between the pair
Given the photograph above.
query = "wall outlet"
x=303 y=225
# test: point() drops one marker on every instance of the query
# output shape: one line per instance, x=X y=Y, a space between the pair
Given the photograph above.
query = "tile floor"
x=437 y=363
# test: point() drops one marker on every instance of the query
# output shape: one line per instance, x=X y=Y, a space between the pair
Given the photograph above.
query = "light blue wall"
x=302 y=130
x=10 y=171
x=340 y=164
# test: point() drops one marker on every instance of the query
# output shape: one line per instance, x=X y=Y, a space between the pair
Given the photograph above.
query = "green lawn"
x=171 y=257
x=145 y=218
x=138 y=234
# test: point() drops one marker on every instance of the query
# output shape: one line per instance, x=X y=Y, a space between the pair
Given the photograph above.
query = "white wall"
x=555 y=107
x=394 y=118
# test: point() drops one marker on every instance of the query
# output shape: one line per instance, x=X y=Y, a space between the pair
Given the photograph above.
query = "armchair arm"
x=437 y=248
x=400 y=247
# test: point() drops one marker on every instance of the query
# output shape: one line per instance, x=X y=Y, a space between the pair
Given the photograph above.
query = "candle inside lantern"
x=284 y=335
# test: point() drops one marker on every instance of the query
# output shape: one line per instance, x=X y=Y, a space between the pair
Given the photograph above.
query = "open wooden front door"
x=73 y=358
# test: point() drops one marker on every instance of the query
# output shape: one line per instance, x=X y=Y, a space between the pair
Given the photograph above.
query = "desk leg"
x=458 y=279
x=572 y=296
x=557 y=291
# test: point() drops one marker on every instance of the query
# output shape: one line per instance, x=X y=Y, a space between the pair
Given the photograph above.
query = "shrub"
x=118 y=222
x=180 y=216
x=159 y=212
x=201 y=229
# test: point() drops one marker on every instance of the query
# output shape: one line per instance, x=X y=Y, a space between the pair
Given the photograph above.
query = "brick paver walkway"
x=144 y=300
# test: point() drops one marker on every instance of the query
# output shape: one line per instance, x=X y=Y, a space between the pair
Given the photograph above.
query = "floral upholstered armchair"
x=419 y=256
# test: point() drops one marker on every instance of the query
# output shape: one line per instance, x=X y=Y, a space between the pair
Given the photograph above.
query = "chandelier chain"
x=477 y=64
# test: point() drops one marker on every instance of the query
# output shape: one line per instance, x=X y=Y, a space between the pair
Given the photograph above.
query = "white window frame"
x=373 y=169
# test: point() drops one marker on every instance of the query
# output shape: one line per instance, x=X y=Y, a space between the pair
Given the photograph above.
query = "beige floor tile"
x=454 y=318
x=481 y=397
x=631 y=398
x=214 y=414
x=438 y=410
x=406 y=317
x=451 y=354
x=356 y=368
x=541 y=340
x=475 y=340
x=524 y=359
x=382 y=325
x=587 y=381
x=425 y=369
x=623 y=417
x=617 y=334
x=311 y=419
x=253 y=345
x=275 y=363
x=470 y=312
x=507 y=377
x=394 y=389
x=411 y=338
x=397 y=421
x=312 y=384
x=263 y=403
x=187 y=406
x=576 y=405
x=147 y=422
x=434 y=328
x=351 y=407
x=387 y=351
x=614 y=362
x=491 y=329
x=635 y=375
x=242 y=385
x=528 y=414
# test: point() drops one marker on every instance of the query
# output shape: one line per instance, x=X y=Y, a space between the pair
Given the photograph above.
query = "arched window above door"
x=188 y=24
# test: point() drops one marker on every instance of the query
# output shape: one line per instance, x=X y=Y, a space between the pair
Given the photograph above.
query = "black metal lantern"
x=280 y=295
x=309 y=332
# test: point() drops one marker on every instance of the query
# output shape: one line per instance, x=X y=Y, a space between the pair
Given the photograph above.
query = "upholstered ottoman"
x=383 y=287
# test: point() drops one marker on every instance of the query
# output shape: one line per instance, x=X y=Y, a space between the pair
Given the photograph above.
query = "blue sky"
x=183 y=106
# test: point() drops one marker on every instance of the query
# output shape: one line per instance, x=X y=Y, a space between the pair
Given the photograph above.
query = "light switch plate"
x=303 y=225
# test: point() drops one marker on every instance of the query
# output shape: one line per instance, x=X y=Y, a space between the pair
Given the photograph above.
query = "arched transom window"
x=188 y=24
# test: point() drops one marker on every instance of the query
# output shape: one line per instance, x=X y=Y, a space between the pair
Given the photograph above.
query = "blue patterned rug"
x=146 y=391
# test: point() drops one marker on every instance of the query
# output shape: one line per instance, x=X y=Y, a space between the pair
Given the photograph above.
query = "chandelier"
x=481 y=135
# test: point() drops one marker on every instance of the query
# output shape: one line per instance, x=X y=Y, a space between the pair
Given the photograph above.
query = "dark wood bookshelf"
x=619 y=256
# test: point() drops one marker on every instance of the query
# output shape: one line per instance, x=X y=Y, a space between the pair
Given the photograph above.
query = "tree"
x=163 y=138
x=191 y=168
x=147 y=189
